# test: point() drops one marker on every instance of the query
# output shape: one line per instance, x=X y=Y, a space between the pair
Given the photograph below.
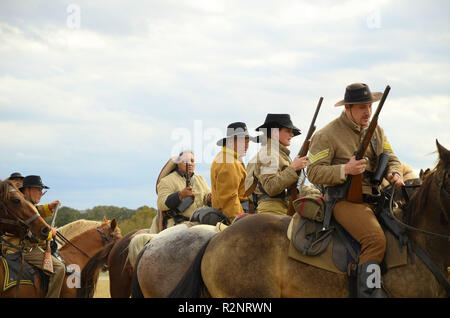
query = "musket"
x=47 y=263
x=187 y=176
x=293 y=190
x=354 y=193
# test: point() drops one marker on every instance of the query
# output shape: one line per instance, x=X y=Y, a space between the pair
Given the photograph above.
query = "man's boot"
x=368 y=281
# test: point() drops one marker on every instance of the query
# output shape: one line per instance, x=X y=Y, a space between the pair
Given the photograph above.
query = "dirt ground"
x=102 y=290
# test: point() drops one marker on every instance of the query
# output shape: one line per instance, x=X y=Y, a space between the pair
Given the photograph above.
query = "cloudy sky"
x=95 y=96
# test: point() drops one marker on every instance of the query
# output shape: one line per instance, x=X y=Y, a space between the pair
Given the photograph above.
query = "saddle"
x=333 y=248
x=31 y=275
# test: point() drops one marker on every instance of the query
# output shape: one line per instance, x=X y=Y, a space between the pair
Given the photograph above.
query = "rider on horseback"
x=332 y=158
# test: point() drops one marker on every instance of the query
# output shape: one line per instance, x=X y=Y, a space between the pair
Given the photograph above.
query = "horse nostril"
x=45 y=231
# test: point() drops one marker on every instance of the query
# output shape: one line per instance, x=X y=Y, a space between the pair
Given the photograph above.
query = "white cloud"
x=104 y=99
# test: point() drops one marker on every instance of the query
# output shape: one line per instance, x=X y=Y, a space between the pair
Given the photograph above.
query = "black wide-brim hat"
x=359 y=93
x=238 y=130
x=15 y=175
x=33 y=182
x=279 y=121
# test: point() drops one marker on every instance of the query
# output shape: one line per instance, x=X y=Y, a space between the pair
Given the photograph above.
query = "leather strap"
x=433 y=268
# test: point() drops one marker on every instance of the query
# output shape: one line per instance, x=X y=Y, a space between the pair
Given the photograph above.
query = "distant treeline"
x=127 y=219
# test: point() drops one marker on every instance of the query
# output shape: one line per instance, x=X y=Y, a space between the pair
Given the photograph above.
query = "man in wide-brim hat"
x=331 y=160
x=272 y=169
x=16 y=178
x=228 y=171
x=32 y=190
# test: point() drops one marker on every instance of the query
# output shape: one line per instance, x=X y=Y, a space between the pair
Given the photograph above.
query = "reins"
x=67 y=241
x=412 y=228
x=419 y=252
x=103 y=235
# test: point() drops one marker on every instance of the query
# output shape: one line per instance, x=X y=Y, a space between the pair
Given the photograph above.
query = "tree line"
x=128 y=219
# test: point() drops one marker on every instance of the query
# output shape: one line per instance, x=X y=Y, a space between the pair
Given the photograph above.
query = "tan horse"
x=76 y=255
x=250 y=258
x=74 y=228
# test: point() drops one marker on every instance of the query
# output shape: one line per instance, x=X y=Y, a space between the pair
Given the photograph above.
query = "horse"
x=75 y=254
x=167 y=255
x=72 y=229
x=250 y=258
x=17 y=215
x=120 y=270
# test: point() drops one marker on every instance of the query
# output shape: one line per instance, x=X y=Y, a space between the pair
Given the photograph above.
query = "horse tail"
x=90 y=272
x=192 y=285
x=136 y=291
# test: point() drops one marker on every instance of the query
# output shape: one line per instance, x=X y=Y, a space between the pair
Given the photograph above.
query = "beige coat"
x=332 y=147
x=174 y=182
x=272 y=168
x=228 y=183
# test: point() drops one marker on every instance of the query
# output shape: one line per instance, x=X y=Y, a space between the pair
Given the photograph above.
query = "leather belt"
x=282 y=195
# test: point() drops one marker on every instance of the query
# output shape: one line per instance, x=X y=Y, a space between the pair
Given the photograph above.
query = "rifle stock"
x=355 y=189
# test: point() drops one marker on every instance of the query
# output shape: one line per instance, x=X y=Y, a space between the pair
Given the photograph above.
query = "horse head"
x=17 y=215
x=109 y=231
x=443 y=181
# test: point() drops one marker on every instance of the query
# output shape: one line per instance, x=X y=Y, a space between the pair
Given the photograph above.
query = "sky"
x=96 y=96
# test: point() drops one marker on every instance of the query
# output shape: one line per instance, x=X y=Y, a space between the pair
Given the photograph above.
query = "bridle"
x=105 y=239
x=440 y=182
x=16 y=220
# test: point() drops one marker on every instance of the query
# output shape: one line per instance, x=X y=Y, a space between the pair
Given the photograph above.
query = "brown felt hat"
x=359 y=93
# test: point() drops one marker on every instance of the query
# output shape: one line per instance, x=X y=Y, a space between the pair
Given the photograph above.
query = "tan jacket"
x=175 y=182
x=228 y=183
x=333 y=146
x=272 y=168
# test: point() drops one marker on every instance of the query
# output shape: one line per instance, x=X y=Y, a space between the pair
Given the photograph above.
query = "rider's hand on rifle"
x=53 y=231
x=53 y=205
x=395 y=179
x=355 y=167
x=299 y=163
x=186 y=192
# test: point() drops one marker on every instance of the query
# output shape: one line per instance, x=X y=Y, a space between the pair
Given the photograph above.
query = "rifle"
x=354 y=193
x=293 y=190
x=187 y=176
x=47 y=263
x=186 y=202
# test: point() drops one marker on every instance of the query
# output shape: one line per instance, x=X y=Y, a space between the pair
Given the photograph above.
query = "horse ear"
x=444 y=154
x=421 y=173
x=105 y=219
x=113 y=224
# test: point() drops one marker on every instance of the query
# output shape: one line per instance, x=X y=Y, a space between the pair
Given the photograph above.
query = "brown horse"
x=250 y=259
x=17 y=215
x=115 y=256
x=75 y=255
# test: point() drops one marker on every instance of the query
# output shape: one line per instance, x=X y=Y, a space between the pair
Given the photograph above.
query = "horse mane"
x=75 y=228
x=4 y=190
x=419 y=198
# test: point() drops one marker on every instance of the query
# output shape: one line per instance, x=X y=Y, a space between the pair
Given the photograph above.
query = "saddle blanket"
x=11 y=268
x=335 y=257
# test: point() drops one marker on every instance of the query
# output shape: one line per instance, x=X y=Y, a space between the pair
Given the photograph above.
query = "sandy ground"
x=102 y=290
